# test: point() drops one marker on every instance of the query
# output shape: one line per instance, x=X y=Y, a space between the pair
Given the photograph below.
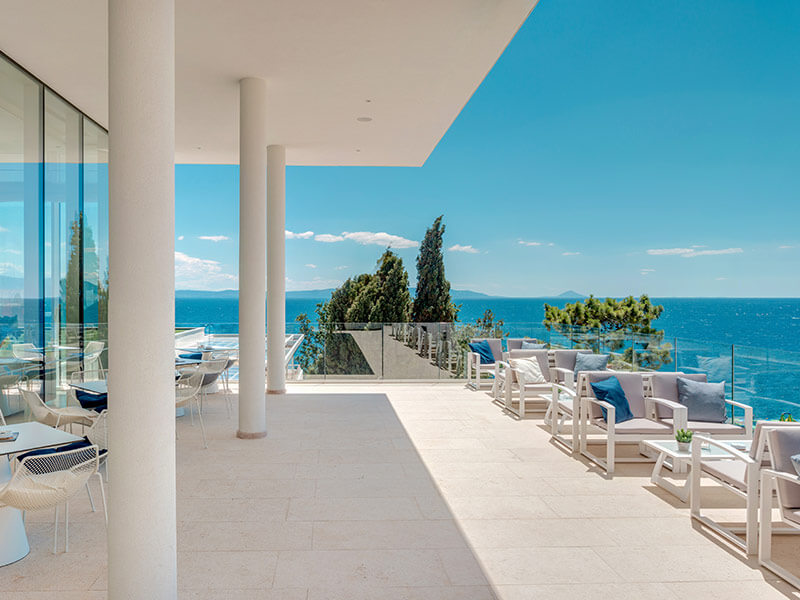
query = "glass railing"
x=768 y=379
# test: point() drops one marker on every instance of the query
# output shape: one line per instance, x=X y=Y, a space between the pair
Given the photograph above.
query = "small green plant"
x=683 y=436
x=786 y=418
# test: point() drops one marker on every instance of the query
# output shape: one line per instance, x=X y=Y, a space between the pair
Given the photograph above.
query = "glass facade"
x=53 y=238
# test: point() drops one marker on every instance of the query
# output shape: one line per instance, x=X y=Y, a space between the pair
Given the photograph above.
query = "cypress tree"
x=432 y=303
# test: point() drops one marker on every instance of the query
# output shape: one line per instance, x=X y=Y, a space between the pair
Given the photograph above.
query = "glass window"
x=20 y=216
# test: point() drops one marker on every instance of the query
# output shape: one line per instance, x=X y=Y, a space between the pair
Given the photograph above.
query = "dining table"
x=31 y=436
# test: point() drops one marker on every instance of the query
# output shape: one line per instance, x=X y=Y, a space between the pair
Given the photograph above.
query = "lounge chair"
x=738 y=473
x=640 y=427
x=783 y=478
x=509 y=378
x=665 y=386
x=476 y=369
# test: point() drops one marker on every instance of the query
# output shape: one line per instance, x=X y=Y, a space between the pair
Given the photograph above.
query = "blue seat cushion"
x=609 y=390
x=483 y=350
x=43 y=467
x=191 y=355
x=89 y=401
x=590 y=362
x=703 y=401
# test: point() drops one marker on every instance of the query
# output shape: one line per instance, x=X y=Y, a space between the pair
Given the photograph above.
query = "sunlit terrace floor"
x=414 y=492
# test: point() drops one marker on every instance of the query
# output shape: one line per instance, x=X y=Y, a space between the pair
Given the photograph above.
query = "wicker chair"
x=43 y=481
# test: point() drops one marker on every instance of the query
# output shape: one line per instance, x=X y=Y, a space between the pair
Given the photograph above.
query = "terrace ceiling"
x=409 y=66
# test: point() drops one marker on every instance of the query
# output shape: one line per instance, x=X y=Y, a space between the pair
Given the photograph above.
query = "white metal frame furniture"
x=738 y=473
x=782 y=479
x=475 y=370
x=665 y=386
x=508 y=379
x=564 y=366
x=187 y=392
x=634 y=431
x=56 y=417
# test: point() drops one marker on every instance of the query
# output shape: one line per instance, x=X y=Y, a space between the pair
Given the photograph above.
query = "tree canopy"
x=432 y=303
x=628 y=314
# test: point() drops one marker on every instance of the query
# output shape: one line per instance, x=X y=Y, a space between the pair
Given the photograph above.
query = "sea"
x=753 y=342
x=770 y=323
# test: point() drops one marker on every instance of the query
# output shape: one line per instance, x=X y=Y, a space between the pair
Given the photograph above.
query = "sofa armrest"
x=611 y=410
x=680 y=413
x=748 y=415
x=722 y=445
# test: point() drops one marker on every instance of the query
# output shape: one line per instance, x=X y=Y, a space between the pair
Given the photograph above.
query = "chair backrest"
x=496 y=345
x=516 y=343
x=188 y=386
x=22 y=351
x=759 y=444
x=8 y=377
x=40 y=411
x=46 y=480
x=784 y=442
x=98 y=432
x=632 y=384
x=565 y=359
x=94 y=347
x=665 y=385
x=541 y=357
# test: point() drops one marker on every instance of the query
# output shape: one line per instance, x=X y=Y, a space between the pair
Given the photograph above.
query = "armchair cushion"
x=528 y=369
x=590 y=362
x=526 y=345
x=483 y=350
x=732 y=472
x=609 y=390
x=784 y=443
x=637 y=426
x=89 y=401
x=704 y=401
x=191 y=355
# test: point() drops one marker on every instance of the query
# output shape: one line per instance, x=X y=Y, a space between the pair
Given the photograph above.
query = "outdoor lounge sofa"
x=510 y=379
x=476 y=369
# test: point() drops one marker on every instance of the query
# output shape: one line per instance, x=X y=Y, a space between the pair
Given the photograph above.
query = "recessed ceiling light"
x=364 y=119
x=358 y=149
x=368 y=100
x=199 y=147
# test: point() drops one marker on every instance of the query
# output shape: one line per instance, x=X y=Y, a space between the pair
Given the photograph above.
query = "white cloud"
x=8 y=268
x=380 y=238
x=12 y=251
x=213 y=238
x=460 y=248
x=328 y=238
x=570 y=253
x=201 y=273
x=647 y=271
x=311 y=265
x=317 y=283
x=3 y=229
x=692 y=252
x=551 y=244
x=180 y=238
x=342 y=267
x=524 y=243
x=721 y=278
x=305 y=235
x=785 y=247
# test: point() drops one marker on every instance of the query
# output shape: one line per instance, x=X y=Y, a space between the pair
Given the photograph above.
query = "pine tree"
x=385 y=297
x=432 y=303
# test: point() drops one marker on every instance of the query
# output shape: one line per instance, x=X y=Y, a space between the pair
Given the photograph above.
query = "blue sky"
x=617 y=147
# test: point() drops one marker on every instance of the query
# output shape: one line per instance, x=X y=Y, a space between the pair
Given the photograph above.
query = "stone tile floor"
x=413 y=492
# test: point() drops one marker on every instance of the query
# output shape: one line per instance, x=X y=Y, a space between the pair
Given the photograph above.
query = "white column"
x=252 y=255
x=141 y=509
x=276 y=268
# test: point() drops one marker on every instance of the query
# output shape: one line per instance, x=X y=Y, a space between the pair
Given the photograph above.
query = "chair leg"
x=103 y=496
x=66 y=526
x=202 y=427
x=55 y=531
x=89 y=492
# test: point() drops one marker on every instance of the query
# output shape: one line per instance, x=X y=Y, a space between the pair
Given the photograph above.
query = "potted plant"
x=684 y=439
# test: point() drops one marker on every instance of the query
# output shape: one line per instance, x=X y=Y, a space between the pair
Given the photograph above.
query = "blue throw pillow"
x=526 y=345
x=704 y=401
x=192 y=355
x=590 y=362
x=610 y=390
x=483 y=350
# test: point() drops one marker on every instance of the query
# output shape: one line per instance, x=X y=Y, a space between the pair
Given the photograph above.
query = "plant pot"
x=684 y=446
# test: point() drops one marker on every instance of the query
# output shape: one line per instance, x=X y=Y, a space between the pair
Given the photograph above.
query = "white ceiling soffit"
x=409 y=65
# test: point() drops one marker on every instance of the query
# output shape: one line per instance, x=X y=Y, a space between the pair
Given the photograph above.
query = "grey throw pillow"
x=704 y=401
x=526 y=345
x=590 y=362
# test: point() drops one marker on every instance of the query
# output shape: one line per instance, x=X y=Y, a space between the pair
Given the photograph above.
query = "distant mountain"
x=572 y=295
x=306 y=294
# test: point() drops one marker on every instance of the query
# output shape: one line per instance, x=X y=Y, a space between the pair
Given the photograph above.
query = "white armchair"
x=476 y=369
x=510 y=379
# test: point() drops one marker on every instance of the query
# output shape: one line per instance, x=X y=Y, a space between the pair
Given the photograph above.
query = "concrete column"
x=142 y=559
x=252 y=255
x=276 y=268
